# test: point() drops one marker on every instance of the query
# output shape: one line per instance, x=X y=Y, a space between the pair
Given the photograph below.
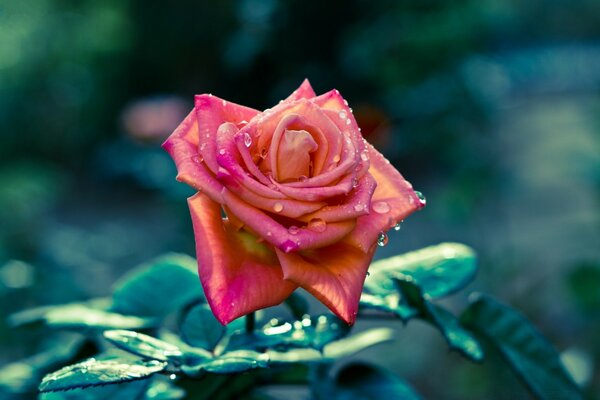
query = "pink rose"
x=305 y=199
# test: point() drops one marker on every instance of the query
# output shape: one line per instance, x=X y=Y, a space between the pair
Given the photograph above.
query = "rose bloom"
x=289 y=197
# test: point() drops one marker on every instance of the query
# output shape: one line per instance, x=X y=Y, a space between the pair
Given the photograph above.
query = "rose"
x=305 y=197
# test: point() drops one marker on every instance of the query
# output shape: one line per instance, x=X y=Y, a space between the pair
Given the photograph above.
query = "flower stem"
x=250 y=319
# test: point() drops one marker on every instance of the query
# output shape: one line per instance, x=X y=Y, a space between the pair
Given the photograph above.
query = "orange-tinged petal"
x=393 y=200
x=334 y=275
x=239 y=275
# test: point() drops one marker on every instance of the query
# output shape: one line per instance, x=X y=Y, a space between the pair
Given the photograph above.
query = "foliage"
x=159 y=339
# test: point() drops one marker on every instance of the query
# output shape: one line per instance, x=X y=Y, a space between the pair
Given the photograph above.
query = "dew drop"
x=348 y=122
x=302 y=178
x=317 y=225
x=247 y=139
x=278 y=207
x=336 y=158
x=224 y=102
x=222 y=151
x=197 y=159
x=381 y=207
x=364 y=155
x=382 y=240
x=172 y=377
x=293 y=230
x=345 y=102
x=358 y=207
x=354 y=182
x=343 y=114
x=398 y=226
x=421 y=197
x=242 y=122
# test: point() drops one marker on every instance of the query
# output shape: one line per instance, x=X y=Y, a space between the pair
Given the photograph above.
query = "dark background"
x=491 y=109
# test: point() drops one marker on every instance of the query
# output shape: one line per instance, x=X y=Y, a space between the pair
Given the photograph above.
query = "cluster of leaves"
x=156 y=338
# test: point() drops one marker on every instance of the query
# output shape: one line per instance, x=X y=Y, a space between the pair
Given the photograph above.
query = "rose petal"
x=279 y=235
x=392 y=189
x=212 y=112
x=356 y=204
x=182 y=146
x=305 y=91
x=238 y=274
x=334 y=275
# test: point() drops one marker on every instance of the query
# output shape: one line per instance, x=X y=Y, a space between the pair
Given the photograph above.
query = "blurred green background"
x=491 y=109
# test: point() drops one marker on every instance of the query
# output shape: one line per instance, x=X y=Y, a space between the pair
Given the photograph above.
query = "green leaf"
x=200 y=328
x=440 y=270
x=229 y=363
x=77 y=316
x=158 y=287
x=456 y=336
x=527 y=352
x=144 y=345
x=355 y=343
x=389 y=303
x=118 y=391
x=313 y=332
x=360 y=381
x=93 y=372
x=297 y=305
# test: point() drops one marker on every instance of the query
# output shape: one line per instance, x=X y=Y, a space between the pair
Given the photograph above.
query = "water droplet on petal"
x=354 y=182
x=247 y=139
x=242 y=122
x=348 y=122
x=345 y=102
x=222 y=151
x=398 y=226
x=358 y=207
x=278 y=207
x=422 y=198
x=224 y=102
x=302 y=178
x=317 y=225
x=382 y=240
x=293 y=230
x=364 y=155
x=336 y=158
x=381 y=207
x=197 y=159
x=343 y=114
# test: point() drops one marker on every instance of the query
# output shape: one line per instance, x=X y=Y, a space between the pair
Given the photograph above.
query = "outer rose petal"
x=334 y=275
x=182 y=146
x=239 y=275
x=393 y=189
x=305 y=91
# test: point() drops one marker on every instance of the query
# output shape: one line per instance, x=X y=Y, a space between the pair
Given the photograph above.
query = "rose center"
x=293 y=155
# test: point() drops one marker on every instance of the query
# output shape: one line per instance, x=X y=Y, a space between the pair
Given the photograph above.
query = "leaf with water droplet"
x=457 y=337
x=229 y=363
x=144 y=345
x=200 y=328
x=390 y=303
x=159 y=287
x=439 y=270
x=93 y=372
x=526 y=351
x=313 y=332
